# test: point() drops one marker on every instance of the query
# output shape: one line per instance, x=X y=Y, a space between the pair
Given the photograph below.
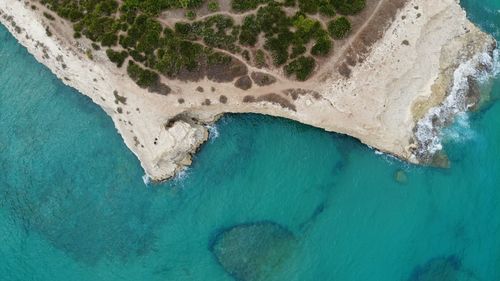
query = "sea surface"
x=266 y=198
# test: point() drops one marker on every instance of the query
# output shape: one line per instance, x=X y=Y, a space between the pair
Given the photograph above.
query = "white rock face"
x=406 y=74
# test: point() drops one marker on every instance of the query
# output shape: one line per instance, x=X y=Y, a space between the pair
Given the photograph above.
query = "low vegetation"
x=132 y=34
x=301 y=68
x=339 y=27
x=117 y=57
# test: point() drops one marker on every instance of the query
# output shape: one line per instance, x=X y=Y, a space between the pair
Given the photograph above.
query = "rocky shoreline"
x=392 y=88
x=463 y=95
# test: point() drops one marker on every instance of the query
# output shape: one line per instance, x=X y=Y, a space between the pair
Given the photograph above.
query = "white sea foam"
x=460 y=131
x=496 y=63
x=213 y=131
x=429 y=133
x=181 y=175
x=146 y=179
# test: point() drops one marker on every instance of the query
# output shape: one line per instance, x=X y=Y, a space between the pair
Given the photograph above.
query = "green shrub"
x=182 y=28
x=109 y=39
x=117 y=57
x=142 y=77
x=327 y=10
x=137 y=56
x=250 y=31
x=89 y=54
x=308 y=6
x=278 y=47
x=322 y=47
x=339 y=27
x=297 y=50
x=213 y=6
x=247 y=5
x=348 y=7
x=218 y=58
x=48 y=16
x=272 y=19
x=246 y=55
x=95 y=46
x=301 y=67
x=306 y=29
x=260 y=58
x=177 y=55
x=190 y=15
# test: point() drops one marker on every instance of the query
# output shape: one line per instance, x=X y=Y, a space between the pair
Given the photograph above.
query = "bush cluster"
x=302 y=68
x=322 y=47
x=247 y=5
x=143 y=77
x=216 y=31
x=213 y=6
x=339 y=27
x=348 y=7
x=155 y=7
x=276 y=26
x=130 y=27
x=117 y=57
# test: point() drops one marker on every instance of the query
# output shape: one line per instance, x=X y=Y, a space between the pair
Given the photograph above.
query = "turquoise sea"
x=268 y=199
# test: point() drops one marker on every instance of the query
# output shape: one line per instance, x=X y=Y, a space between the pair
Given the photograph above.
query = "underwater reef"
x=251 y=251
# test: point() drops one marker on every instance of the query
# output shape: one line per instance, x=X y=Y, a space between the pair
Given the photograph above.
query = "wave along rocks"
x=460 y=99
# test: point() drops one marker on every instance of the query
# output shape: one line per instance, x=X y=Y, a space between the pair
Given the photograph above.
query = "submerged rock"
x=252 y=251
x=440 y=160
x=401 y=177
x=442 y=269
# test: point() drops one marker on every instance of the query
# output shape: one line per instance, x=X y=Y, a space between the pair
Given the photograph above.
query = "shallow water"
x=73 y=205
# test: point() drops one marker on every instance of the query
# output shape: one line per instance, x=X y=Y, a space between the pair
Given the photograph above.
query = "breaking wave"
x=460 y=131
x=213 y=132
x=146 y=179
x=179 y=179
x=428 y=131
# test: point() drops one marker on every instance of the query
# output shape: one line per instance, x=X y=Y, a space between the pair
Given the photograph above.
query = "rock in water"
x=442 y=269
x=401 y=177
x=250 y=252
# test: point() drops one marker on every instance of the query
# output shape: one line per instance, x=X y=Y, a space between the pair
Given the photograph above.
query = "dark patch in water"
x=346 y=145
x=87 y=225
x=314 y=216
x=252 y=251
x=448 y=268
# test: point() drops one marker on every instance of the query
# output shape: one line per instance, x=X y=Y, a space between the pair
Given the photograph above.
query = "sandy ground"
x=394 y=82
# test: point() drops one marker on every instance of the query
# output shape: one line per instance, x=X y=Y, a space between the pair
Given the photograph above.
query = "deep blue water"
x=269 y=199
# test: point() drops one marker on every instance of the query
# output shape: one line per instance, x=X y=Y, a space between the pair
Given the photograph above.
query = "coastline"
x=381 y=103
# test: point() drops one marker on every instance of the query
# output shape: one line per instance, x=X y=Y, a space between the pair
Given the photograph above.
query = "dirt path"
x=341 y=53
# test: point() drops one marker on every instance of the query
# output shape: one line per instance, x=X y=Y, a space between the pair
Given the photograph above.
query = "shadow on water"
x=448 y=268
